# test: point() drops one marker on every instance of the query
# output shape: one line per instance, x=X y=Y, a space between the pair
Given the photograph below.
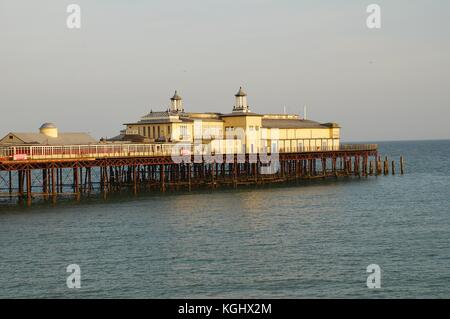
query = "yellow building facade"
x=249 y=132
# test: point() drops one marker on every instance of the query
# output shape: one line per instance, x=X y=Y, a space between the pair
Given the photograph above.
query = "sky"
x=129 y=56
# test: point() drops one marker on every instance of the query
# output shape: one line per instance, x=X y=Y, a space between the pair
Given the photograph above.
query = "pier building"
x=256 y=132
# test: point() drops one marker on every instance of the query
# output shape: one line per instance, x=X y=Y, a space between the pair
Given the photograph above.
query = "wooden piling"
x=235 y=173
x=162 y=178
x=10 y=185
x=135 y=174
x=53 y=182
x=61 y=184
x=44 y=181
x=386 y=166
x=401 y=165
x=89 y=177
x=75 y=180
x=20 y=182
x=29 y=186
x=189 y=176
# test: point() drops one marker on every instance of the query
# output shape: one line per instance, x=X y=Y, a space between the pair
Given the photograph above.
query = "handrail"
x=40 y=152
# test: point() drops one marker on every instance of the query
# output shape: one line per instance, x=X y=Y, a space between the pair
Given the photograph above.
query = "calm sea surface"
x=314 y=239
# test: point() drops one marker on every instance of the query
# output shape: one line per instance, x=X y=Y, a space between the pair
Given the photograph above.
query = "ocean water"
x=306 y=240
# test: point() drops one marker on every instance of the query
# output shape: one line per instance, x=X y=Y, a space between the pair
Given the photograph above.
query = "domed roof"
x=47 y=125
x=241 y=92
x=176 y=96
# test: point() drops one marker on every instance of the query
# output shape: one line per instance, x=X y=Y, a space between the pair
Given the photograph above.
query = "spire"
x=176 y=97
x=241 y=92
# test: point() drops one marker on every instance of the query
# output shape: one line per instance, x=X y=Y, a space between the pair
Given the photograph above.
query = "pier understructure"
x=49 y=172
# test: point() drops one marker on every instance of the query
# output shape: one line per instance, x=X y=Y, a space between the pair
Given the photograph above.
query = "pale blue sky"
x=129 y=56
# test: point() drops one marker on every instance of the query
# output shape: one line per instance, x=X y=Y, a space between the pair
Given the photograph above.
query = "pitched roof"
x=291 y=123
x=157 y=114
x=62 y=139
x=162 y=117
x=134 y=138
x=241 y=114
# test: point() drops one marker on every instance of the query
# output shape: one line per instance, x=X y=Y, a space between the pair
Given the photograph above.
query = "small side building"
x=48 y=135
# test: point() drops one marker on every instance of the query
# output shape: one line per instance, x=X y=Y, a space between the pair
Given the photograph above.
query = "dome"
x=49 y=129
x=176 y=97
x=47 y=125
x=241 y=92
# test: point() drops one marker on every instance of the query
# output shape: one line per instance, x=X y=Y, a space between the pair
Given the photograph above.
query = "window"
x=183 y=130
x=168 y=130
x=154 y=132
x=159 y=131
x=251 y=127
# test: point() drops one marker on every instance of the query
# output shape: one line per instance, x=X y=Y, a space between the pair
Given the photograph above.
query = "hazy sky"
x=129 y=57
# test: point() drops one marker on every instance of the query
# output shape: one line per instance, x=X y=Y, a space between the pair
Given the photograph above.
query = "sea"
x=312 y=239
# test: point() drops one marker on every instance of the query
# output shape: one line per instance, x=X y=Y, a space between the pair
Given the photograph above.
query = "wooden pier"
x=48 y=172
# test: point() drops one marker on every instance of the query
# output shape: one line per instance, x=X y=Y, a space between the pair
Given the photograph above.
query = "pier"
x=49 y=172
x=172 y=149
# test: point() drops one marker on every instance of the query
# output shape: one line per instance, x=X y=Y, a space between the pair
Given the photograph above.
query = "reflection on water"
x=311 y=239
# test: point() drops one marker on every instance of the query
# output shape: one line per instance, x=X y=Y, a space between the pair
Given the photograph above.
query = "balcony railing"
x=21 y=153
